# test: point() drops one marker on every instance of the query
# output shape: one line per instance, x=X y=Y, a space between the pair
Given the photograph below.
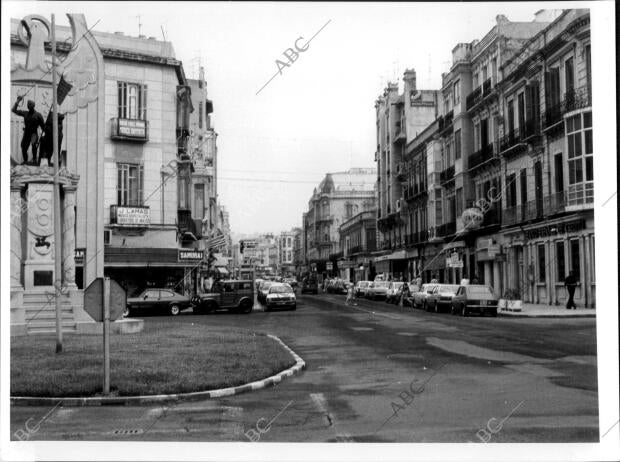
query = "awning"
x=398 y=255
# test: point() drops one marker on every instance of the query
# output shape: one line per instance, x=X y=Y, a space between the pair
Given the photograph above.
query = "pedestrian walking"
x=350 y=296
x=571 y=284
x=404 y=294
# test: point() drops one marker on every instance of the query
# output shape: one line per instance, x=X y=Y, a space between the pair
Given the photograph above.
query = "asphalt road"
x=377 y=373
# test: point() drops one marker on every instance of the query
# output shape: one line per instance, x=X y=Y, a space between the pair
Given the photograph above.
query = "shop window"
x=130 y=184
x=574 y=257
x=131 y=101
x=542 y=266
x=560 y=261
x=580 y=159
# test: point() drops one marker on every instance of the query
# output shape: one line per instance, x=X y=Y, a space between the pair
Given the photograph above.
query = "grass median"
x=166 y=357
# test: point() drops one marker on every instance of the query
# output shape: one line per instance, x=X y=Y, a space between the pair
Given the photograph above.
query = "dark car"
x=157 y=300
x=280 y=296
x=309 y=285
x=233 y=295
x=474 y=299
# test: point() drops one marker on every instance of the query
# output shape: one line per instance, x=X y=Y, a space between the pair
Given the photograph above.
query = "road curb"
x=273 y=380
x=549 y=316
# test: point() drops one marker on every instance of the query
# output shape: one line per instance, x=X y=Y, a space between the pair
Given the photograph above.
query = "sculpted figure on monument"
x=47 y=139
x=32 y=121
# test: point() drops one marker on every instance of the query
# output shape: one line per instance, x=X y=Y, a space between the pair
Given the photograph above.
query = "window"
x=457 y=144
x=475 y=83
x=521 y=109
x=199 y=200
x=349 y=210
x=580 y=159
x=511 y=116
x=131 y=101
x=589 y=71
x=511 y=190
x=523 y=185
x=494 y=71
x=541 y=263
x=560 y=261
x=200 y=111
x=484 y=133
x=569 y=75
x=130 y=184
x=574 y=257
x=552 y=87
x=459 y=202
x=457 y=92
x=558 y=162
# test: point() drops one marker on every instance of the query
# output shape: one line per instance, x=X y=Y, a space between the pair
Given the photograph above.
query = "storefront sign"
x=190 y=255
x=554 y=230
x=79 y=255
x=132 y=128
x=453 y=261
x=131 y=216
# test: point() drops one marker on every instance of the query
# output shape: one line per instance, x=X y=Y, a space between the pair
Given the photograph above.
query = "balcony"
x=482 y=156
x=324 y=219
x=447 y=175
x=399 y=132
x=479 y=94
x=129 y=129
x=445 y=122
x=187 y=226
x=574 y=99
x=446 y=229
x=130 y=216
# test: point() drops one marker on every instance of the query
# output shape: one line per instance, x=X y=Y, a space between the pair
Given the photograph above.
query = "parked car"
x=337 y=286
x=157 y=300
x=233 y=295
x=418 y=299
x=441 y=298
x=309 y=285
x=392 y=291
x=280 y=295
x=475 y=298
x=377 y=289
x=359 y=290
x=291 y=282
x=263 y=290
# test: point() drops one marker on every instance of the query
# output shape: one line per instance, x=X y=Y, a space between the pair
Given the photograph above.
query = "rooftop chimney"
x=501 y=19
x=410 y=79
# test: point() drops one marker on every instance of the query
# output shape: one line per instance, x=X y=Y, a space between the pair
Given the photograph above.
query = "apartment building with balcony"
x=399 y=119
x=286 y=256
x=547 y=155
x=338 y=197
x=358 y=241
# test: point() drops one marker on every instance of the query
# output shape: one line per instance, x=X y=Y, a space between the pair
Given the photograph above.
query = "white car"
x=280 y=295
x=418 y=300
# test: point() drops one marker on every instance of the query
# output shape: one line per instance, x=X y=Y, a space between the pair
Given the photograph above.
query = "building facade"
x=338 y=197
x=499 y=186
x=358 y=241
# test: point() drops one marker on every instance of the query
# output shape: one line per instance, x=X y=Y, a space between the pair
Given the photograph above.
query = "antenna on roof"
x=163 y=33
x=139 y=25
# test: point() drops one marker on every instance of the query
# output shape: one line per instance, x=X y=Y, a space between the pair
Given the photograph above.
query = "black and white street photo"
x=309 y=231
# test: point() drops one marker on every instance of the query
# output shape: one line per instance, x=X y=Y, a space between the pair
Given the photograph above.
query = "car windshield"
x=283 y=289
x=266 y=285
x=381 y=284
x=479 y=290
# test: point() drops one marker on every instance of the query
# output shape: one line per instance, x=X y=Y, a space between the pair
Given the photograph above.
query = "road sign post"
x=106 y=336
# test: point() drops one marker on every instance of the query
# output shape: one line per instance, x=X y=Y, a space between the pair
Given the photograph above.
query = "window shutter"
x=143 y=101
x=141 y=185
x=122 y=91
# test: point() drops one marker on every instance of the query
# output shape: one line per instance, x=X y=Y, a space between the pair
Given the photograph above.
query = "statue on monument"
x=32 y=121
x=47 y=139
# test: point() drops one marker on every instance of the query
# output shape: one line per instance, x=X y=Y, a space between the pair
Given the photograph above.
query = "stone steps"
x=40 y=312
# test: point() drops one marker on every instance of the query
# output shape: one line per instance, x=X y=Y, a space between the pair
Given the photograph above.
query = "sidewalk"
x=531 y=310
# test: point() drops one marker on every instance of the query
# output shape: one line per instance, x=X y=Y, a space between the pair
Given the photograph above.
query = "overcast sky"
x=318 y=115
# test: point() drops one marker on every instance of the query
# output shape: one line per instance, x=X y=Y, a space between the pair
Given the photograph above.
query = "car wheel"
x=436 y=307
x=464 y=312
x=294 y=307
x=246 y=306
x=126 y=312
x=174 y=310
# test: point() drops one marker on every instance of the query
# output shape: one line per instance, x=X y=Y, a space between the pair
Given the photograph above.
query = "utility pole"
x=57 y=217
